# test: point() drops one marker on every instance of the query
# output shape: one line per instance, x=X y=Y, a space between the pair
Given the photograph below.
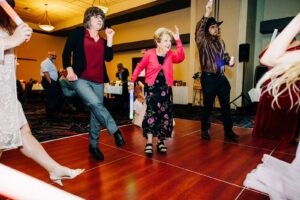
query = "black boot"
x=118 y=138
x=205 y=135
x=96 y=153
x=231 y=136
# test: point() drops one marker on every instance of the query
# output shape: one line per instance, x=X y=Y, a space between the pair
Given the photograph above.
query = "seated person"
x=268 y=112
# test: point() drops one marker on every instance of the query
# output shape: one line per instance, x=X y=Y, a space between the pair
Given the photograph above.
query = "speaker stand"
x=242 y=95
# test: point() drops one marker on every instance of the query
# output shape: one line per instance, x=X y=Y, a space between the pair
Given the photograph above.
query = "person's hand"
x=208 y=8
x=109 y=32
x=130 y=86
x=71 y=75
x=176 y=33
x=231 y=62
x=22 y=33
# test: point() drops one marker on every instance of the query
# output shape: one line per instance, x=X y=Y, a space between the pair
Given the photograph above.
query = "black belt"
x=213 y=74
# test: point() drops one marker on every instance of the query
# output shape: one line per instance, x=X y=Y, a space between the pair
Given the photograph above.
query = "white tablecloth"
x=113 y=89
x=37 y=86
x=180 y=95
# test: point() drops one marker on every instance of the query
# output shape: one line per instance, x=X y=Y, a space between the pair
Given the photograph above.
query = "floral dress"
x=158 y=119
x=11 y=113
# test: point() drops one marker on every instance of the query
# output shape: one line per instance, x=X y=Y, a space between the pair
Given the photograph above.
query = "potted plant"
x=196 y=78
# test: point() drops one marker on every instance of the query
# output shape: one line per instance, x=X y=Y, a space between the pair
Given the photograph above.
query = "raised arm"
x=200 y=27
x=276 y=54
x=178 y=55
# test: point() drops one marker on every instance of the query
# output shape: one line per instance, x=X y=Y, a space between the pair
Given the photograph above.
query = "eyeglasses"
x=98 y=17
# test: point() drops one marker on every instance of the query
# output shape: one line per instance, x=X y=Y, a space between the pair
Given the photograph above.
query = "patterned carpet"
x=68 y=122
x=241 y=118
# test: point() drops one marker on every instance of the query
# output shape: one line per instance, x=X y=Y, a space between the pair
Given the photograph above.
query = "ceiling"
x=66 y=14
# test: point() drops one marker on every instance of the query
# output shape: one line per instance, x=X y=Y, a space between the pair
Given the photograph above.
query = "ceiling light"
x=45 y=23
x=103 y=8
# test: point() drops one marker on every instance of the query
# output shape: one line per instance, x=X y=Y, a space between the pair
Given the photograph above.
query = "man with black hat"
x=213 y=58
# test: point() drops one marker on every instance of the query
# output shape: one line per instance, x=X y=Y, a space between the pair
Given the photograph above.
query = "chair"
x=20 y=91
x=27 y=92
x=197 y=90
x=260 y=70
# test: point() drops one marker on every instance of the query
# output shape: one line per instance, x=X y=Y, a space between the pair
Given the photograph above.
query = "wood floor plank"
x=191 y=169
x=250 y=195
x=142 y=178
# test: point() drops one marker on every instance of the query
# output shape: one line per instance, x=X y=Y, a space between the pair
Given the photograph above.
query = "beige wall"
x=143 y=29
x=232 y=12
x=185 y=19
x=37 y=48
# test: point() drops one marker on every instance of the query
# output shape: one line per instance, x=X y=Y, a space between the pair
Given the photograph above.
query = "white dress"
x=140 y=110
x=279 y=179
x=11 y=113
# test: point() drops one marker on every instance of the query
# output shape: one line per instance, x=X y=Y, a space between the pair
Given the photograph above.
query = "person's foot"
x=64 y=173
x=149 y=149
x=205 y=135
x=96 y=153
x=231 y=136
x=118 y=138
x=161 y=148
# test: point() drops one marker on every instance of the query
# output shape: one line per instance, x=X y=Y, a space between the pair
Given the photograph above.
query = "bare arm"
x=47 y=76
x=21 y=34
x=276 y=53
x=200 y=27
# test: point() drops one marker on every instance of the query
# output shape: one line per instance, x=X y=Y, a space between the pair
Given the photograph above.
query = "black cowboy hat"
x=212 y=21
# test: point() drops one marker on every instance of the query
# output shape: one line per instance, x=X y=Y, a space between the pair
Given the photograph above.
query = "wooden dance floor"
x=192 y=168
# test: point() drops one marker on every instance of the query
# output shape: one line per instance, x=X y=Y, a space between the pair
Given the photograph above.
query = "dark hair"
x=5 y=21
x=92 y=11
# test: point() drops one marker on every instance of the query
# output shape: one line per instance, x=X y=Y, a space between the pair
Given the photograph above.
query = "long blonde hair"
x=283 y=78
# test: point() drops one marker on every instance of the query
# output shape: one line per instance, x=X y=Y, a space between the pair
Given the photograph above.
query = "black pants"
x=216 y=85
x=54 y=97
x=122 y=101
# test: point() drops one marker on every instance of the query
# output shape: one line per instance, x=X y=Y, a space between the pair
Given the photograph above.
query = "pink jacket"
x=150 y=62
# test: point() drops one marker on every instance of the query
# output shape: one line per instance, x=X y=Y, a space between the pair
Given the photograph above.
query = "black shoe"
x=205 y=135
x=118 y=138
x=96 y=153
x=232 y=136
x=149 y=149
x=161 y=148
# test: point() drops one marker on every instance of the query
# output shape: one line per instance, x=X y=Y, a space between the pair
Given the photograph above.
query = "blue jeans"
x=92 y=95
x=67 y=88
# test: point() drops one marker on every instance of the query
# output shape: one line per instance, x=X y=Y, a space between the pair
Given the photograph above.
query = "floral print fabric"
x=158 y=119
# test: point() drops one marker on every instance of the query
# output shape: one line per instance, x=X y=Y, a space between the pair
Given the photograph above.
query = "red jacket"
x=152 y=66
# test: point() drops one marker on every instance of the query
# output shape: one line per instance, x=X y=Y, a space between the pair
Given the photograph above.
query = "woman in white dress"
x=279 y=179
x=14 y=129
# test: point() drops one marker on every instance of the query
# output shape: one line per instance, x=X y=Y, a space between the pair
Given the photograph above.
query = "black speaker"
x=259 y=72
x=244 y=52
